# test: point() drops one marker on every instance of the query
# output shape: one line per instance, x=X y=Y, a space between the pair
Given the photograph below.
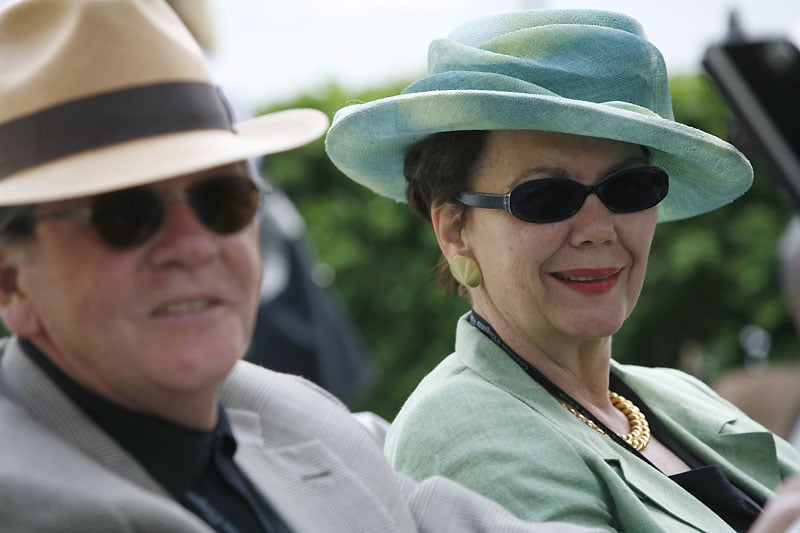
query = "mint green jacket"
x=479 y=419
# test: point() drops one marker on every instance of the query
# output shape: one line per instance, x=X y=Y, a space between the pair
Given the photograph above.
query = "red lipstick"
x=589 y=280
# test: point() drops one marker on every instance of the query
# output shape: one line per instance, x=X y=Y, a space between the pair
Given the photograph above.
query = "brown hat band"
x=110 y=118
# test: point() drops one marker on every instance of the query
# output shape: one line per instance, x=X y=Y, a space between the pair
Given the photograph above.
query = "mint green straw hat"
x=582 y=72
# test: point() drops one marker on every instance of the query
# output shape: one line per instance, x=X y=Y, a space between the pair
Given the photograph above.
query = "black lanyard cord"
x=484 y=327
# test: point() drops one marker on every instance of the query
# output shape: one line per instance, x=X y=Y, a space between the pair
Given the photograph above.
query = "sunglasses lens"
x=126 y=218
x=551 y=200
x=546 y=200
x=224 y=204
x=635 y=189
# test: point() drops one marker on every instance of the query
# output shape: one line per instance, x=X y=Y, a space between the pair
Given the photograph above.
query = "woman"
x=542 y=149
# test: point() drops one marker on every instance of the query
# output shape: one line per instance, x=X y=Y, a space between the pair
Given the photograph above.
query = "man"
x=129 y=271
x=299 y=328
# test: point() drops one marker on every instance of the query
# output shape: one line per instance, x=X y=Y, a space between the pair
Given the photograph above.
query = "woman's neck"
x=578 y=366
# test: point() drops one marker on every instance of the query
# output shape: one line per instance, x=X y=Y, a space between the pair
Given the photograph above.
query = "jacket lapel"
x=24 y=382
x=715 y=432
x=306 y=483
x=484 y=357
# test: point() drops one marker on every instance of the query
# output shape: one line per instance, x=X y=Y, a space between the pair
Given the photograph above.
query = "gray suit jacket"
x=301 y=448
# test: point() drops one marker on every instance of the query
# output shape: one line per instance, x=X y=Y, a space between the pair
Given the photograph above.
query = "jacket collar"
x=701 y=433
x=713 y=430
x=290 y=476
x=28 y=386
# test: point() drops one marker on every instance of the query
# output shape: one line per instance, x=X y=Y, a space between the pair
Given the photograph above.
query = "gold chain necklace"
x=638 y=438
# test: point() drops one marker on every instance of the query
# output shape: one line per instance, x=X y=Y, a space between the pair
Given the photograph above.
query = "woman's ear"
x=448 y=221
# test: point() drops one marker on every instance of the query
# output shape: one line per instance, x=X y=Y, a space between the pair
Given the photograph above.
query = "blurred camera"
x=760 y=80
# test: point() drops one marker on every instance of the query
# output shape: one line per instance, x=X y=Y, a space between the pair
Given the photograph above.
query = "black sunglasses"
x=553 y=199
x=128 y=217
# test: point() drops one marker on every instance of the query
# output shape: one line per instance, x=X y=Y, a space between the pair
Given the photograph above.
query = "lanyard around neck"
x=484 y=327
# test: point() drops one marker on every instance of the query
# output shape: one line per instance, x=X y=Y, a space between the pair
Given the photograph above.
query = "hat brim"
x=160 y=157
x=368 y=142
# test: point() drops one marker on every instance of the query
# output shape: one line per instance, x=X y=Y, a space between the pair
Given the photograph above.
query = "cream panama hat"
x=582 y=72
x=98 y=95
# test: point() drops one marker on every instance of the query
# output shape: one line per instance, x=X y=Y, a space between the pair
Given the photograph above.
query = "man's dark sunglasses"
x=553 y=199
x=127 y=218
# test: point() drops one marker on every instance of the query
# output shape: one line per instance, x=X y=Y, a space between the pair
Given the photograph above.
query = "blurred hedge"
x=708 y=277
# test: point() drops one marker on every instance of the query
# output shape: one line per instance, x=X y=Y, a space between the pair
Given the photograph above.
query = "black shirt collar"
x=174 y=455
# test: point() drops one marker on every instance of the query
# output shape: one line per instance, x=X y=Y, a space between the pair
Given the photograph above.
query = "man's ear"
x=8 y=282
x=448 y=221
x=15 y=307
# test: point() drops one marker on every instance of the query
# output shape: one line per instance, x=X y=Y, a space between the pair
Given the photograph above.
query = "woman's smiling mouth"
x=589 y=280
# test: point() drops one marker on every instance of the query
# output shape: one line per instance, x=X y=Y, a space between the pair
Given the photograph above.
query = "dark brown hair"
x=437 y=169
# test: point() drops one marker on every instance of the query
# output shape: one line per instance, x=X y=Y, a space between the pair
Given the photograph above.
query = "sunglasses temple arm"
x=484 y=200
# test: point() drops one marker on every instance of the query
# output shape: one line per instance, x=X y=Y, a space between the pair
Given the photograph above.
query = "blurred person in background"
x=770 y=391
x=542 y=149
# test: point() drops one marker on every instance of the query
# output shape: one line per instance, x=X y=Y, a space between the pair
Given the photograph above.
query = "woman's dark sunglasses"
x=127 y=218
x=553 y=199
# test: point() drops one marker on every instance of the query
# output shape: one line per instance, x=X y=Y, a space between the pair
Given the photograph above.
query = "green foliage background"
x=707 y=278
